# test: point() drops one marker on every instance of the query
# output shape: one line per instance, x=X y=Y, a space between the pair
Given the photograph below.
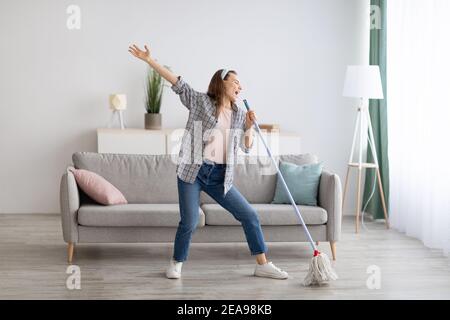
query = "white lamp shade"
x=118 y=101
x=363 y=82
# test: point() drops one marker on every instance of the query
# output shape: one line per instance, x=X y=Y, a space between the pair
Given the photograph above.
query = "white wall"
x=290 y=55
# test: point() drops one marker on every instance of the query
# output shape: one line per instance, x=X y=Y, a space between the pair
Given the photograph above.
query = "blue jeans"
x=210 y=179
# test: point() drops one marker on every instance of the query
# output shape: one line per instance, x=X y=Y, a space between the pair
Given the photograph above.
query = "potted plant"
x=154 y=90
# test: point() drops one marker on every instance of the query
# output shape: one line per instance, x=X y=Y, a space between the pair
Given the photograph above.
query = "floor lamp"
x=363 y=82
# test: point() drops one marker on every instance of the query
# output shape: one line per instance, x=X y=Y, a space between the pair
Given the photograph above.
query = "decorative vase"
x=153 y=121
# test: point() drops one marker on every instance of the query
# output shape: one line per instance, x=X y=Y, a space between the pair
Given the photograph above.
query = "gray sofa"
x=149 y=184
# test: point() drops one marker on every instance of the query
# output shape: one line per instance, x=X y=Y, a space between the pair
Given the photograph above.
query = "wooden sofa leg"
x=70 y=248
x=333 y=249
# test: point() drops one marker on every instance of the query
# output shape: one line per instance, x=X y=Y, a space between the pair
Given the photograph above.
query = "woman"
x=206 y=162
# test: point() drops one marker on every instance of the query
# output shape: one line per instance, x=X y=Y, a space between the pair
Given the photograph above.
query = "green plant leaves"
x=154 y=90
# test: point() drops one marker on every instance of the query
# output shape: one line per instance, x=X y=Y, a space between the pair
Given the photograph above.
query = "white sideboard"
x=167 y=141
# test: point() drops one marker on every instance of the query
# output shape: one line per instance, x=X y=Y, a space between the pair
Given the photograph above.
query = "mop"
x=320 y=270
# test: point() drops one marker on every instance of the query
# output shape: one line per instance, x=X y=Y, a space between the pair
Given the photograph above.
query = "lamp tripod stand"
x=363 y=114
x=114 y=115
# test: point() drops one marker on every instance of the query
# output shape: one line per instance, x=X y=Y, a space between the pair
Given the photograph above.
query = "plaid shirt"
x=201 y=121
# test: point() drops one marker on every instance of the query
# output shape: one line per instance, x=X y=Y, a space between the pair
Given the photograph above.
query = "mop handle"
x=311 y=241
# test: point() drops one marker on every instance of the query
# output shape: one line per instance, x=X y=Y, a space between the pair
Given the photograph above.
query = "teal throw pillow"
x=302 y=181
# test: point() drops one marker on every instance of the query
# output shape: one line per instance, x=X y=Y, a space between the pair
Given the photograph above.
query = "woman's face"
x=232 y=87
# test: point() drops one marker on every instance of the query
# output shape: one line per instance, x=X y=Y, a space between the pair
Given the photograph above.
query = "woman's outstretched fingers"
x=138 y=53
x=133 y=52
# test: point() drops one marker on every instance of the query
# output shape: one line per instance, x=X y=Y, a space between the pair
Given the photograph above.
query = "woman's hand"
x=145 y=56
x=140 y=54
x=249 y=118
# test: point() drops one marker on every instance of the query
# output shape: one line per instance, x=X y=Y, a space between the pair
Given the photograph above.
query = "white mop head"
x=320 y=270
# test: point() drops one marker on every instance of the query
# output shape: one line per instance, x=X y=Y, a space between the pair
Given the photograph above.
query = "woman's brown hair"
x=216 y=88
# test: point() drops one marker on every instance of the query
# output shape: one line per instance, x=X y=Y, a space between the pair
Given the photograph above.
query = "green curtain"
x=378 y=116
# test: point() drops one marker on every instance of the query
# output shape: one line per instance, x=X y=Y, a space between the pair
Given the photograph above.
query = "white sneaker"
x=269 y=270
x=173 y=271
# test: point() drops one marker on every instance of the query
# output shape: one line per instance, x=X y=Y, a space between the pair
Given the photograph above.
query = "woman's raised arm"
x=145 y=56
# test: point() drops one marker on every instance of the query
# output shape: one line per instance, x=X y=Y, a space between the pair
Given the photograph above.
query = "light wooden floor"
x=33 y=266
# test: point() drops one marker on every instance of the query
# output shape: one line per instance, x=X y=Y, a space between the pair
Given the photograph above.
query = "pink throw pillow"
x=97 y=187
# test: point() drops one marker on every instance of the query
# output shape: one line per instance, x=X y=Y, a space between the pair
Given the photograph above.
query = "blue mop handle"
x=311 y=241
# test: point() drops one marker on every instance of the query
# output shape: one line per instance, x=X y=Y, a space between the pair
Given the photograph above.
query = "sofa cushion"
x=132 y=215
x=97 y=187
x=140 y=178
x=298 y=159
x=269 y=215
x=302 y=182
x=255 y=176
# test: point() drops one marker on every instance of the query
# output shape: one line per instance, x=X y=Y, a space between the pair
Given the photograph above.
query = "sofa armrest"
x=330 y=198
x=70 y=203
